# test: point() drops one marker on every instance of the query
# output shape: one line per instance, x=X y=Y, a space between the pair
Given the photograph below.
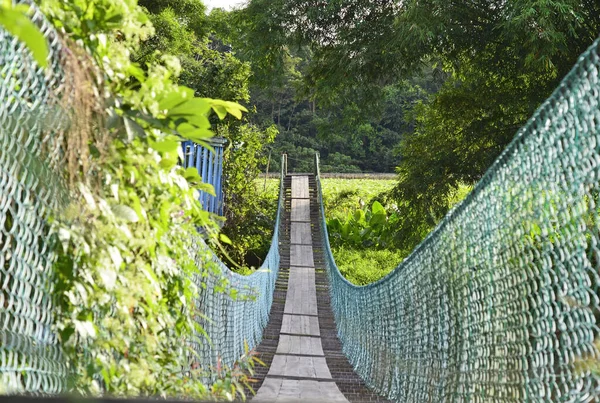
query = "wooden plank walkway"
x=299 y=369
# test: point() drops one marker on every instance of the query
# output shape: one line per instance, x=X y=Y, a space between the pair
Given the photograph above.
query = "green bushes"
x=124 y=289
x=361 y=230
x=364 y=266
x=365 y=233
x=250 y=214
x=369 y=227
x=124 y=276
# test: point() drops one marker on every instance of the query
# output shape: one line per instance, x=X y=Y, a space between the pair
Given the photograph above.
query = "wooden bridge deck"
x=293 y=345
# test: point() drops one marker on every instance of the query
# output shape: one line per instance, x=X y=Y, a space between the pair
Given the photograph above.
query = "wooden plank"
x=290 y=390
x=287 y=390
x=300 y=324
x=300 y=210
x=300 y=187
x=301 y=293
x=269 y=390
x=315 y=391
x=300 y=233
x=301 y=255
x=305 y=345
x=304 y=367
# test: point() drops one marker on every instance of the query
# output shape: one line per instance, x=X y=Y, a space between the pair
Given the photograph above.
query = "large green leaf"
x=190 y=107
x=16 y=21
x=377 y=208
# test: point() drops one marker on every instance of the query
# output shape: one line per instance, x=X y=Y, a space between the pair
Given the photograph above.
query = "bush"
x=364 y=266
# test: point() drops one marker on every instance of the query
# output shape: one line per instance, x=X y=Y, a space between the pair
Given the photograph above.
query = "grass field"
x=344 y=196
x=341 y=196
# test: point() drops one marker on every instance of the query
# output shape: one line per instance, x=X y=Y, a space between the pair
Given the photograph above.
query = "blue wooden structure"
x=209 y=164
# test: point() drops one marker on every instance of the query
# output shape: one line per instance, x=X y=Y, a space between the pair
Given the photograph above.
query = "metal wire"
x=500 y=302
x=233 y=309
x=30 y=189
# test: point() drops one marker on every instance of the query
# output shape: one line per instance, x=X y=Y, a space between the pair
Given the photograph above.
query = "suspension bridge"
x=499 y=303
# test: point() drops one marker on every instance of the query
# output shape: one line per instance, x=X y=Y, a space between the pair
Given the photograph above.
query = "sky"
x=226 y=4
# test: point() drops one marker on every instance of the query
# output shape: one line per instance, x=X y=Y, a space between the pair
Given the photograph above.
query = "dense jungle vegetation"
x=429 y=90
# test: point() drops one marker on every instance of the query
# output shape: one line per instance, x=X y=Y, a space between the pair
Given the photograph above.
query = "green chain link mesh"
x=499 y=303
x=234 y=308
x=239 y=314
x=30 y=359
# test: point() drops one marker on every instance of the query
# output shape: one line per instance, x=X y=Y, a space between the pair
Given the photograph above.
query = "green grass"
x=341 y=196
x=364 y=266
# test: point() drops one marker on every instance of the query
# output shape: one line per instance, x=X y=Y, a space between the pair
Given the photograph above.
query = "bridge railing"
x=499 y=302
x=209 y=163
x=235 y=308
x=232 y=309
x=32 y=123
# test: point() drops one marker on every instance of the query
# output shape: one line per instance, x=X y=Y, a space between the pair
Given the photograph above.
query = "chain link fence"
x=33 y=122
x=500 y=302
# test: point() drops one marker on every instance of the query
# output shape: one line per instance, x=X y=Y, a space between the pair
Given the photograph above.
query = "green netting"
x=499 y=303
x=234 y=309
x=30 y=122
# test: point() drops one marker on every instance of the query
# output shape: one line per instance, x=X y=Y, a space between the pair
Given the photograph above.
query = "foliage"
x=364 y=266
x=181 y=29
x=124 y=272
x=250 y=216
x=361 y=237
x=432 y=87
x=211 y=69
x=368 y=232
x=190 y=13
x=343 y=196
x=340 y=163
x=348 y=137
x=124 y=298
x=14 y=18
x=369 y=227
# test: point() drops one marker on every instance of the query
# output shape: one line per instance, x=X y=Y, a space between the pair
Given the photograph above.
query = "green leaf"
x=132 y=129
x=175 y=98
x=125 y=212
x=136 y=71
x=225 y=239
x=167 y=145
x=377 y=208
x=66 y=334
x=232 y=108
x=199 y=135
x=194 y=106
x=220 y=111
x=16 y=22
x=194 y=122
x=191 y=174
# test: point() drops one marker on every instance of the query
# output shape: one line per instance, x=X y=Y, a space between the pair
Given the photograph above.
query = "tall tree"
x=500 y=60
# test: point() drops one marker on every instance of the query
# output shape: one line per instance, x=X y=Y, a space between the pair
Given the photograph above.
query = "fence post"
x=284 y=164
x=267 y=173
x=317 y=162
x=216 y=178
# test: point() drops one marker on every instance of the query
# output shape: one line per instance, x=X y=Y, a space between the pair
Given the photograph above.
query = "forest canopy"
x=433 y=90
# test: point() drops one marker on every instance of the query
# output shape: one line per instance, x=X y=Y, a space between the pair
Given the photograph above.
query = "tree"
x=495 y=62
